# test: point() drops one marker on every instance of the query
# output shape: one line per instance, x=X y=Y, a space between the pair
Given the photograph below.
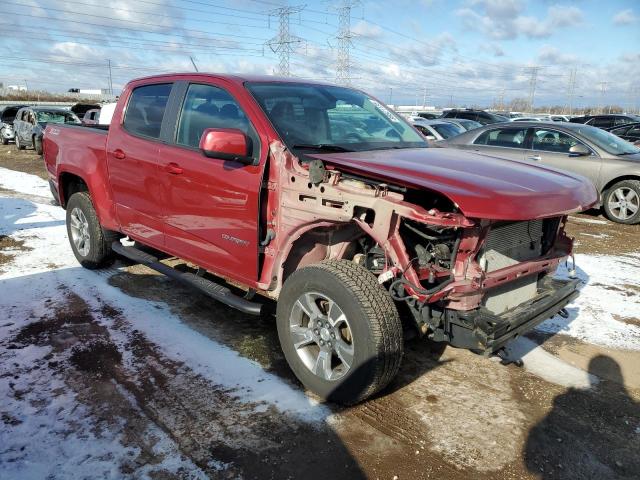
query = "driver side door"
x=551 y=147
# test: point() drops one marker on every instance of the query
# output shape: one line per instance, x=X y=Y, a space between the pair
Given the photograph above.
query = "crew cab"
x=325 y=200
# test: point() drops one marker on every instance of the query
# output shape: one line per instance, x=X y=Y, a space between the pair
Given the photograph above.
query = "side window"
x=619 y=131
x=602 y=122
x=634 y=132
x=620 y=121
x=145 y=110
x=468 y=115
x=553 y=141
x=503 y=137
x=206 y=106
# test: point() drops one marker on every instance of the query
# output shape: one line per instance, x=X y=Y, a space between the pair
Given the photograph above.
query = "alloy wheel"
x=321 y=336
x=80 y=231
x=623 y=203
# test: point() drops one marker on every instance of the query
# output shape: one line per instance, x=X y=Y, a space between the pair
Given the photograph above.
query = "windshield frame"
x=628 y=147
x=381 y=110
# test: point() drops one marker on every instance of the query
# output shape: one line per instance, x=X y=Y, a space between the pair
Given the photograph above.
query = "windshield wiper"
x=321 y=146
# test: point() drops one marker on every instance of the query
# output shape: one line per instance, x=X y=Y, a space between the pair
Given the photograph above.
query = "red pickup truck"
x=322 y=198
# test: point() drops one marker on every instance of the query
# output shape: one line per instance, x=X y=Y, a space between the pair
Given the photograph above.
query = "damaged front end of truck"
x=470 y=281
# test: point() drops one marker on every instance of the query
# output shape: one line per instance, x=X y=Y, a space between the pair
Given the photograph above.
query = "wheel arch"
x=621 y=178
x=68 y=184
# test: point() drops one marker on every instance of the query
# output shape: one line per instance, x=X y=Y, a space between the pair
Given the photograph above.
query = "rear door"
x=504 y=142
x=133 y=147
x=551 y=147
x=211 y=205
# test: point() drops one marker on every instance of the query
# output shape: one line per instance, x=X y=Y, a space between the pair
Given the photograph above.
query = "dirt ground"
x=449 y=414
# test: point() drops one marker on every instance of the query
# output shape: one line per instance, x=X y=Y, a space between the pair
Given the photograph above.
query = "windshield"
x=56 y=117
x=469 y=124
x=447 y=130
x=332 y=117
x=607 y=141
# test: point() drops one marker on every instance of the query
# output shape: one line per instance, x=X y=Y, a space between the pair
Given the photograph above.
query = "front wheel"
x=89 y=243
x=622 y=202
x=19 y=146
x=339 y=331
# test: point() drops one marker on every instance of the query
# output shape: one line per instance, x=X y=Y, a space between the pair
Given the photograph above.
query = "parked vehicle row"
x=324 y=199
x=30 y=123
x=24 y=124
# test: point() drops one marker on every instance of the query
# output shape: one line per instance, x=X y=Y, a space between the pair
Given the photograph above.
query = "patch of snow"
x=596 y=235
x=610 y=294
x=24 y=183
x=545 y=365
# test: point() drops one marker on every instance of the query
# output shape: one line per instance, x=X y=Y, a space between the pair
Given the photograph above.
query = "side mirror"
x=579 y=150
x=226 y=144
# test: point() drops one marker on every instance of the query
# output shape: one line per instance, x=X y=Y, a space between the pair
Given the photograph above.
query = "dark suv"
x=606 y=121
x=480 y=116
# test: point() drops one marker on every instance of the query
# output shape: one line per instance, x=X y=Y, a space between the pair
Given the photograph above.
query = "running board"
x=212 y=289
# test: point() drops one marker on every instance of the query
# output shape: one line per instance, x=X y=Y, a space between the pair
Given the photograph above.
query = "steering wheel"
x=353 y=135
x=391 y=133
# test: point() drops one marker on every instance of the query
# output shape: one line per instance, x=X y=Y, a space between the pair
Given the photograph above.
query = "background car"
x=435 y=130
x=606 y=121
x=530 y=119
x=559 y=118
x=630 y=132
x=30 y=123
x=7 y=118
x=91 y=117
x=611 y=163
x=480 y=116
x=464 y=123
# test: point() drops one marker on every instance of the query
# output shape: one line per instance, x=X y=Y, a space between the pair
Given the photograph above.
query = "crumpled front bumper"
x=485 y=332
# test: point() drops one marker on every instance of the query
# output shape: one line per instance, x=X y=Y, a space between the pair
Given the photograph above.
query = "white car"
x=436 y=129
x=106 y=113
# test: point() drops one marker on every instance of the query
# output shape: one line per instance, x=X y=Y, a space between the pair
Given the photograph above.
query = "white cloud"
x=625 y=17
x=366 y=30
x=506 y=19
x=551 y=55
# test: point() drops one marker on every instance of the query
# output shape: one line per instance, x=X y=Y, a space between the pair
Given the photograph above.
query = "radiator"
x=509 y=244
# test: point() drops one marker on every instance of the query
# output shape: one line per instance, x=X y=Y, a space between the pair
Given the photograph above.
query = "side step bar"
x=212 y=289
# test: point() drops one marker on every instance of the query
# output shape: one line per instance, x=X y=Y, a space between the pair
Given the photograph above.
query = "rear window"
x=145 y=110
x=503 y=137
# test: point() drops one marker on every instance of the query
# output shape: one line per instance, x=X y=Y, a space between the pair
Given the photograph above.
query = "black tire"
x=5 y=141
x=374 y=325
x=18 y=145
x=632 y=187
x=37 y=145
x=99 y=252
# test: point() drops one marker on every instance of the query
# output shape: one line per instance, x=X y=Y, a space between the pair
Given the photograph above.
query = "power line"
x=283 y=43
x=533 y=71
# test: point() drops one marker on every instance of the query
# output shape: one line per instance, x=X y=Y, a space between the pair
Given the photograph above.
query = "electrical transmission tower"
x=283 y=43
x=571 y=90
x=343 y=64
x=603 y=91
x=533 y=71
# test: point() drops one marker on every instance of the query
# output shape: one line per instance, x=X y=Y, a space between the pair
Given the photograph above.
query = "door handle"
x=537 y=158
x=119 y=154
x=173 y=168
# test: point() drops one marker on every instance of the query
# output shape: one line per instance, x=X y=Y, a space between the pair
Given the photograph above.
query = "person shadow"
x=589 y=433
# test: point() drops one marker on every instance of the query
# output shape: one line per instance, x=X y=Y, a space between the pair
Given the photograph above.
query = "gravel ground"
x=123 y=373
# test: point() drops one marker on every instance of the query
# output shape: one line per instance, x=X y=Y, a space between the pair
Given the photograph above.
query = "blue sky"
x=468 y=51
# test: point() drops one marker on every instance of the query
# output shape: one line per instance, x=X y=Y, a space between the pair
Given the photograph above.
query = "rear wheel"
x=622 y=202
x=90 y=244
x=339 y=330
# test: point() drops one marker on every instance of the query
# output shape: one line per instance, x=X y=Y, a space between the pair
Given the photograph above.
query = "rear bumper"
x=8 y=133
x=485 y=332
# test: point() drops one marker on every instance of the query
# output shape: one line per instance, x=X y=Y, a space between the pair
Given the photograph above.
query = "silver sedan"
x=611 y=163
